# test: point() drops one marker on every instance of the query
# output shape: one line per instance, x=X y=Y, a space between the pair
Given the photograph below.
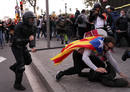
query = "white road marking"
x=2 y=59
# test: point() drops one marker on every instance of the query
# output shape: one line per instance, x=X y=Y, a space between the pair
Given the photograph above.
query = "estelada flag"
x=93 y=43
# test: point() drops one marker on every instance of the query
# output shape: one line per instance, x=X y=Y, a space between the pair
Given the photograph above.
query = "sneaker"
x=125 y=55
x=59 y=75
x=19 y=87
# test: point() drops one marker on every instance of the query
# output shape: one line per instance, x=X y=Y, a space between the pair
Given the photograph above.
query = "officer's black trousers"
x=23 y=58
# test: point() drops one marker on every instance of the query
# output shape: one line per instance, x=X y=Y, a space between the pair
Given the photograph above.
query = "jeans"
x=1 y=38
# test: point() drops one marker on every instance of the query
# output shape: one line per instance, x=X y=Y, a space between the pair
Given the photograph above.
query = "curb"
x=49 y=81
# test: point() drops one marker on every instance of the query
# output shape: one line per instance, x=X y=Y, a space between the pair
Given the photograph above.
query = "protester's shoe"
x=19 y=87
x=59 y=75
x=125 y=55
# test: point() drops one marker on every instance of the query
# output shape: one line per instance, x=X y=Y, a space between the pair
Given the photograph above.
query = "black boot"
x=19 y=87
x=59 y=75
x=18 y=80
x=125 y=55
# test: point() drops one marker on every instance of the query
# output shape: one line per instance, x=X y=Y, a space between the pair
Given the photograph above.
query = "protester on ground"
x=99 y=61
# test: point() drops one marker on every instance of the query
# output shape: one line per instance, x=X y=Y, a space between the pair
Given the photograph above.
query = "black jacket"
x=122 y=23
x=21 y=35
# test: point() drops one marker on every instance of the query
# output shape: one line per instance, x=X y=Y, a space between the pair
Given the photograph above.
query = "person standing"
x=82 y=23
x=39 y=26
x=24 y=33
x=122 y=28
x=1 y=35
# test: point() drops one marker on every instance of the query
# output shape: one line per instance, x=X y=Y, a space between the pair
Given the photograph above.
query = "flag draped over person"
x=93 y=43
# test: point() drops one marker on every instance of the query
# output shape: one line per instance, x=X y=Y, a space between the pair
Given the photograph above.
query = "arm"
x=113 y=61
x=32 y=40
x=115 y=64
x=88 y=62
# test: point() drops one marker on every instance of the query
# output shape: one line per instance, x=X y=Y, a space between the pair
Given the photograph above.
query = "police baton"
x=48 y=48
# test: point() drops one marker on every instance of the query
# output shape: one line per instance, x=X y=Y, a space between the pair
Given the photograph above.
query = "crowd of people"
x=6 y=32
x=96 y=56
x=65 y=27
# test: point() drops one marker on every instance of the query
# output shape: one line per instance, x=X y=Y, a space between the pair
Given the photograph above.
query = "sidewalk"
x=47 y=70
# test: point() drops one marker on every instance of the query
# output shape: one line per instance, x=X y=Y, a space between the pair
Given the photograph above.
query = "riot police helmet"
x=27 y=16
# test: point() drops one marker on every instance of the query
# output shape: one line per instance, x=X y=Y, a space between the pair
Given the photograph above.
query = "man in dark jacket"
x=82 y=23
x=122 y=28
x=24 y=34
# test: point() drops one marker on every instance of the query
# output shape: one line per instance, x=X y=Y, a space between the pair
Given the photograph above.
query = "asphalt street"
x=7 y=76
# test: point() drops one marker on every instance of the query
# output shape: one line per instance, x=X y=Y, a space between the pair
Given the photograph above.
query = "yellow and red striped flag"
x=83 y=43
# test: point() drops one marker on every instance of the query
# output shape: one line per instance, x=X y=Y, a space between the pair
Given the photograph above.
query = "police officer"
x=24 y=34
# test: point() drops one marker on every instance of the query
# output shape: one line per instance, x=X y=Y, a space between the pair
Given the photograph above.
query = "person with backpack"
x=61 y=29
x=82 y=23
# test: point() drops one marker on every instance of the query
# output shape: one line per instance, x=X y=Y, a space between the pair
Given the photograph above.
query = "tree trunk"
x=34 y=9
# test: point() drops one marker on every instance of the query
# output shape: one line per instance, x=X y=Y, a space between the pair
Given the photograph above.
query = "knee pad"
x=20 y=69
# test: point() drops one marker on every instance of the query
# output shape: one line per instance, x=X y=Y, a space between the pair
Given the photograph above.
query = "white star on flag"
x=101 y=44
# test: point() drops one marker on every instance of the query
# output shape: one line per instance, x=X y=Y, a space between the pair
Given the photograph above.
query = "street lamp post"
x=48 y=24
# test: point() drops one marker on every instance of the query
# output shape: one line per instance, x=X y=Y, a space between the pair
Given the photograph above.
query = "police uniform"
x=23 y=31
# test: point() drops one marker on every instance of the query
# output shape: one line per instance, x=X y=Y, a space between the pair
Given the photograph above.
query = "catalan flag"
x=93 y=43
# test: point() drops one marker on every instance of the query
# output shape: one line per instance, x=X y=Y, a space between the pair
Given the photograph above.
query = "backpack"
x=61 y=23
x=80 y=19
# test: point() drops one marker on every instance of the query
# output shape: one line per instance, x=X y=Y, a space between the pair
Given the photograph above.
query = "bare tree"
x=33 y=3
x=115 y=3
x=90 y=3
